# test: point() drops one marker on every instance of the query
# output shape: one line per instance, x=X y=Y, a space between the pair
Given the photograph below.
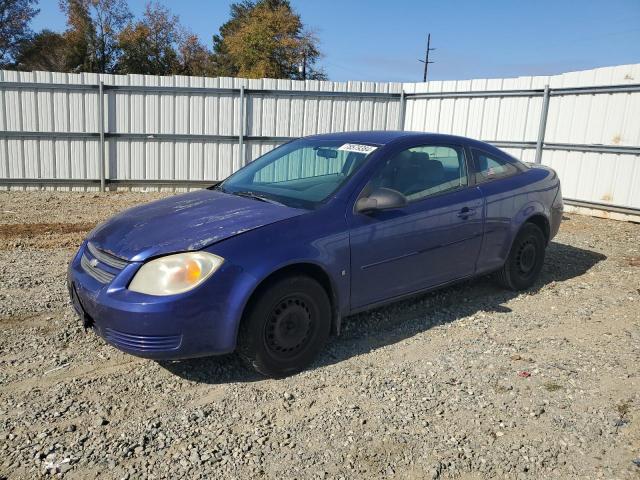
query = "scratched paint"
x=195 y=219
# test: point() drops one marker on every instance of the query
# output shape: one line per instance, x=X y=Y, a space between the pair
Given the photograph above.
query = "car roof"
x=383 y=137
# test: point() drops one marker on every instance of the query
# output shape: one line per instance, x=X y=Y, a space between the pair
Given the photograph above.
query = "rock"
x=100 y=422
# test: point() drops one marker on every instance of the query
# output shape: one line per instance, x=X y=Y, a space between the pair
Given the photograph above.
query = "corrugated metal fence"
x=82 y=130
x=586 y=125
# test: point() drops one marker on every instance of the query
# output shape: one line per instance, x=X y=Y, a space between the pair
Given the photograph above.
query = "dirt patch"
x=36 y=229
x=634 y=262
x=45 y=236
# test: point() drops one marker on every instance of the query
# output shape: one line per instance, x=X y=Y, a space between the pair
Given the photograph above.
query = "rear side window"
x=490 y=167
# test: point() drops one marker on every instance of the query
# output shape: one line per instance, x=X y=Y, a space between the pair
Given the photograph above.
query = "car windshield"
x=302 y=173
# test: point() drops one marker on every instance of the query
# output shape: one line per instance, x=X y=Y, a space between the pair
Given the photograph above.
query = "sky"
x=381 y=40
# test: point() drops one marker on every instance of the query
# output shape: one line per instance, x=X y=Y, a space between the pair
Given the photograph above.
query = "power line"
x=426 y=58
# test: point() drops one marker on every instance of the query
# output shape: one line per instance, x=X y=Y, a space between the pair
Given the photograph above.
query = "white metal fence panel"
x=487 y=118
x=169 y=128
x=166 y=130
x=608 y=119
x=72 y=113
x=574 y=123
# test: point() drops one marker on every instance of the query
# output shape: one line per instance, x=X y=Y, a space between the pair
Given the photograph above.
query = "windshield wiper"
x=256 y=196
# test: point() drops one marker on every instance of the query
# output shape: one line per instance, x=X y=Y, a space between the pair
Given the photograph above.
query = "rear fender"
x=527 y=212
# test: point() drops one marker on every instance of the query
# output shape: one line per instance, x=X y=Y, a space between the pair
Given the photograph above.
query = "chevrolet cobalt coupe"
x=268 y=261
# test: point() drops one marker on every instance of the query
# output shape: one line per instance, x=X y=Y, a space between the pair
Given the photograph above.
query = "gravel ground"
x=468 y=382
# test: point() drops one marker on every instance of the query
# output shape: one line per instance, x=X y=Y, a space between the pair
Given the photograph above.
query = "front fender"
x=313 y=239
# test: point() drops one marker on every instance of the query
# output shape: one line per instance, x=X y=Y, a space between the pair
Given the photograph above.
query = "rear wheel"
x=525 y=260
x=285 y=326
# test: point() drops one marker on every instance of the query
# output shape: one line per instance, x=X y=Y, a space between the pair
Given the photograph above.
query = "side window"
x=422 y=171
x=490 y=167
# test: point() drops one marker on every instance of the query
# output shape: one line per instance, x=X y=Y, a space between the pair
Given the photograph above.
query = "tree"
x=307 y=56
x=45 y=51
x=159 y=45
x=79 y=37
x=15 y=16
x=149 y=46
x=266 y=39
x=225 y=64
x=195 y=59
x=93 y=27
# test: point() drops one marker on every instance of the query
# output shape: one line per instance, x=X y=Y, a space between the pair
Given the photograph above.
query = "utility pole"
x=426 y=58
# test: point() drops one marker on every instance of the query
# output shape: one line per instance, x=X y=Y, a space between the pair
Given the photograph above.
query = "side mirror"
x=381 y=199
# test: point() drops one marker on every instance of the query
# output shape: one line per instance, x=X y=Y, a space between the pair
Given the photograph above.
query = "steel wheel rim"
x=527 y=257
x=289 y=326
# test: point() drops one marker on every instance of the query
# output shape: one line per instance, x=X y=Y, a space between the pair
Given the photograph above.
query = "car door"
x=495 y=178
x=432 y=240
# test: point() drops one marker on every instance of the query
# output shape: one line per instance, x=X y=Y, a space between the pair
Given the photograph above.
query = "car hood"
x=184 y=222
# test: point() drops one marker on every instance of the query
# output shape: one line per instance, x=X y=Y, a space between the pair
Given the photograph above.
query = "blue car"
x=269 y=261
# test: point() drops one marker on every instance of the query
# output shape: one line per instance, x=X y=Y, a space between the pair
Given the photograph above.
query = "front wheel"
x=285 y=326
x=525 y=260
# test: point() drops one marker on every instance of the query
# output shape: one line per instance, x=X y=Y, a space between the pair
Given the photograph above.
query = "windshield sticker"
x=356 y=147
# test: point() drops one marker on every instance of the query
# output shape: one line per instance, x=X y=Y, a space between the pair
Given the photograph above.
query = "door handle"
x=466 y=212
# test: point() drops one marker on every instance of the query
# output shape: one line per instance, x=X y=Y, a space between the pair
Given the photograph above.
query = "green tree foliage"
x=93 y=27
x=195 y=58
x=149 y=45
x=79 y=36
x=159 y=45
x=46 y=51
x=225 y=64
x=263 y=38
x=266 y=39
x=15 y=16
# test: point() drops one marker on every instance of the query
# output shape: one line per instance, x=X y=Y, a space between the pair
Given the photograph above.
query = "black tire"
x=285 y=327
x=525 y=259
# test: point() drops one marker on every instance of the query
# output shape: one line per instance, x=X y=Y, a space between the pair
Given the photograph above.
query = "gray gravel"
x=469 y=382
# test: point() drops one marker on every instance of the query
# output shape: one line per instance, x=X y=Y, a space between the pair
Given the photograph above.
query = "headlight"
x=175 y=273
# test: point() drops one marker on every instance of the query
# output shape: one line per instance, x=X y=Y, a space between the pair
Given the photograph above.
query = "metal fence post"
x=102 y=167
x=241 y=134
x=543 y=124
x=401 y=110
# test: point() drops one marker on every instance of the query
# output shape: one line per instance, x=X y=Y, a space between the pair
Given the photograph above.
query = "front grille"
x=106 y=258
x=143 y=343
x=97 y=273
x=101 y=265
